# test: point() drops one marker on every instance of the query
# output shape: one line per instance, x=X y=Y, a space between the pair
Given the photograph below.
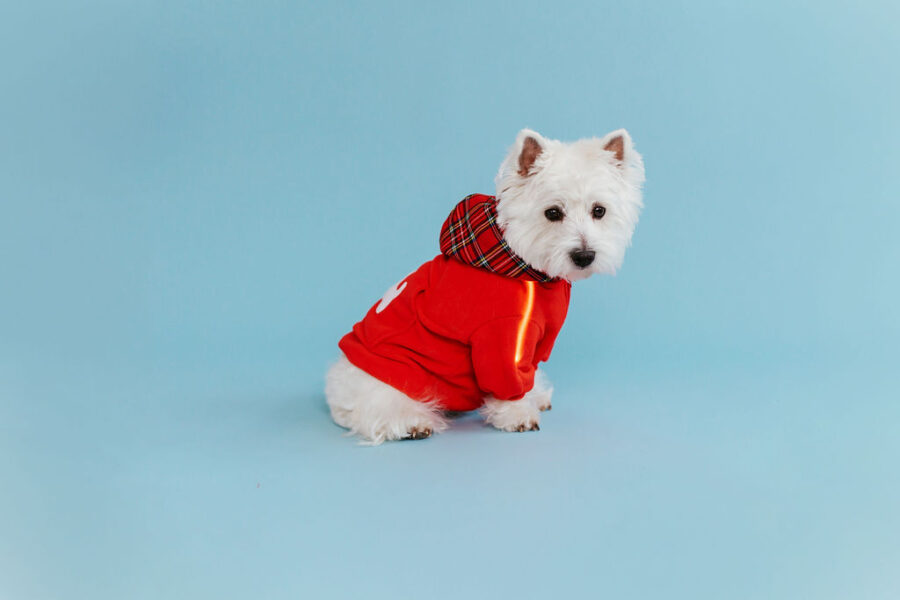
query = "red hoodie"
x=473 y=322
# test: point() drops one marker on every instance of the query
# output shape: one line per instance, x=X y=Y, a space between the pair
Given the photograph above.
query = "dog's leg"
x=511 y=415
x=520 y=415
x=374 y=410
x=542 y=392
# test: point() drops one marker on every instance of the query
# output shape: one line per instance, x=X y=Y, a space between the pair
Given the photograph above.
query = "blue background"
x=197 y=200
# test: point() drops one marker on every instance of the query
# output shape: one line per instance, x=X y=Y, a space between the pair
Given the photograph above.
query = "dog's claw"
x=529 y=427
x=419 y=434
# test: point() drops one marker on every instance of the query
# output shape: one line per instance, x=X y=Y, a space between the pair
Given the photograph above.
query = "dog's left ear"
x=619 y=144
x=619 y=150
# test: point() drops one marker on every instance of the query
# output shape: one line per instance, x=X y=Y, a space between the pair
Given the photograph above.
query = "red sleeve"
x=545 y=346
x=494 y=358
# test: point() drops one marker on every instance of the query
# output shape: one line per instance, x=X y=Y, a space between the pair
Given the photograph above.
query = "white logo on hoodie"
x=389 y=296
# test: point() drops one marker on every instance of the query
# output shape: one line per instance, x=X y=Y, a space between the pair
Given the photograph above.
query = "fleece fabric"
x=456 y=332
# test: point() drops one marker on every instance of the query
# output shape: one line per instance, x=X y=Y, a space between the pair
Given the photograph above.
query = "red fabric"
x=450 y=331
x=450 y=335
x=471 y=234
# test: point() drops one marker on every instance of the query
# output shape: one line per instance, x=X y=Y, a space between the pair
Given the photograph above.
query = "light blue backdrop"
x=197 y=200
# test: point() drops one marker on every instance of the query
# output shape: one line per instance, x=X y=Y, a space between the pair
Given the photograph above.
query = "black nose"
x=582 y=258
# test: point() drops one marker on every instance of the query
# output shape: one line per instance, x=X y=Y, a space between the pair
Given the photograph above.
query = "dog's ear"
x=618 y=143
x=529 y=146
x=619 y=150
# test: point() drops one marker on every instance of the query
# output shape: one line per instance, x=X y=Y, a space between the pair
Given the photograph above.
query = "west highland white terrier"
x=467 y=330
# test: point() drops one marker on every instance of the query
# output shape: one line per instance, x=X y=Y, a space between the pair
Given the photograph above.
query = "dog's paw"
x=512 y=415
x=532 y=426
x=518 y=426
x=542 y=392
x=542 y=400
x=418 y=433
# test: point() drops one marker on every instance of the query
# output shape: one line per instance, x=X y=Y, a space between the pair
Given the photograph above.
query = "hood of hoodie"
x=471 y=235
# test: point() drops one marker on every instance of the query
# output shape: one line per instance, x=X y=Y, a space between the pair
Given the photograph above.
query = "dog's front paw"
x=542 y=399
x=512 y=415
x=542 y=392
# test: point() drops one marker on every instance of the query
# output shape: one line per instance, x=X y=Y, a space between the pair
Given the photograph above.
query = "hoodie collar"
x=471 y=235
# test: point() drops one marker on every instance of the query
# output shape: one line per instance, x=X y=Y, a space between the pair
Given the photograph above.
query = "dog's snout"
x=582 y=258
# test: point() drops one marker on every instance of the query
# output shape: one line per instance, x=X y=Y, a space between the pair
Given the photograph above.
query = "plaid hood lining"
x=471 y=235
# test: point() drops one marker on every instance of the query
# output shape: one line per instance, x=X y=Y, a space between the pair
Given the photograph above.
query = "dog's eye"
x=553 y=214
x=598 y=212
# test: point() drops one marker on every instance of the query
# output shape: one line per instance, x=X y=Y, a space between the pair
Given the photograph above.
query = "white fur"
x=542 y=392
x=374 y=410
x=573 y=177
x=519 y=415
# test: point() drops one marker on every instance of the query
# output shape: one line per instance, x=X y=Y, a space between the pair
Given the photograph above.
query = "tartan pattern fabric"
x=471 y=235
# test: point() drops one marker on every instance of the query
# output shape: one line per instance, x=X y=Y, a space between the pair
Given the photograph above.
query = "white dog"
x=468 y=329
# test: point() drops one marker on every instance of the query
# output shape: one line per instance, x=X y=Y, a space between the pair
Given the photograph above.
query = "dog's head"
x=569 y=209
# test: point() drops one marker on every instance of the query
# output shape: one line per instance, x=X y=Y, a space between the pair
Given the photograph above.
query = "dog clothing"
x=473 y=322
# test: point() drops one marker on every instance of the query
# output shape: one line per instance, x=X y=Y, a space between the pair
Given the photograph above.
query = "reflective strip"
x=523 y=325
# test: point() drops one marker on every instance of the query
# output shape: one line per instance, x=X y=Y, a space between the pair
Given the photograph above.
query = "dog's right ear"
x=529 y=147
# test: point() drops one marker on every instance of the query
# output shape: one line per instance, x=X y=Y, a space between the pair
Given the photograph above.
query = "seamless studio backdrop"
x=198 y=199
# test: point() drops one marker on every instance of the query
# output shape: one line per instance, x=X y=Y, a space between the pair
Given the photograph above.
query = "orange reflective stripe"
x=523 y=325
